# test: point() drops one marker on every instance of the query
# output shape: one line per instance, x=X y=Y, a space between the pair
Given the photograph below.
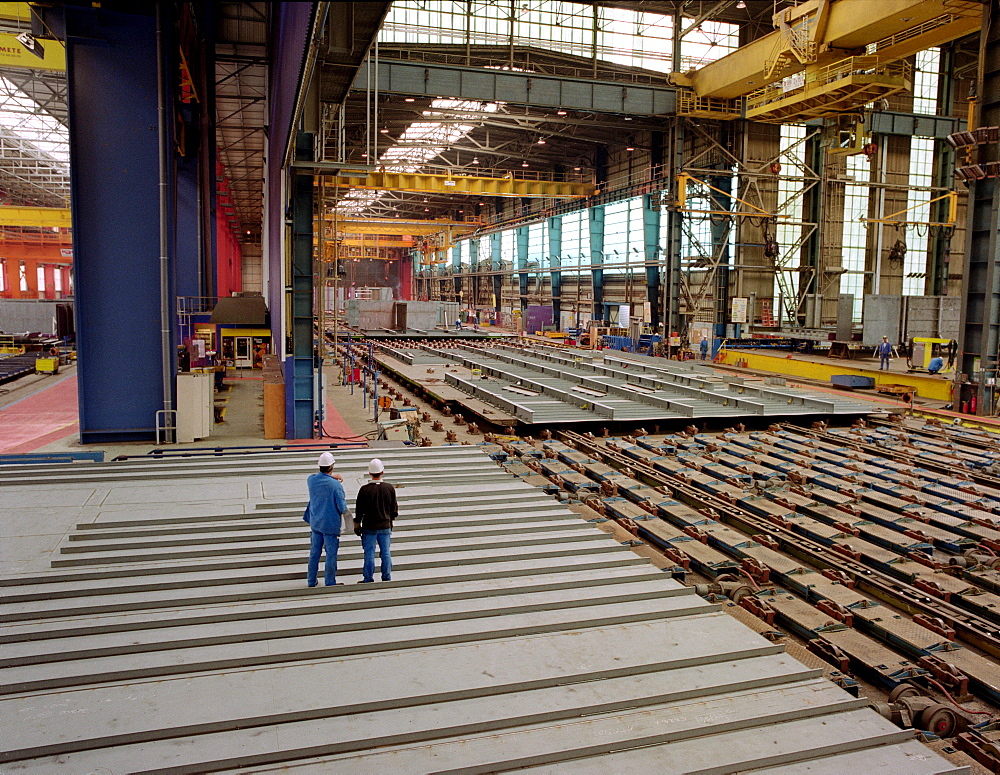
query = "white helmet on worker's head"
x=326 y=460
x=375 y=467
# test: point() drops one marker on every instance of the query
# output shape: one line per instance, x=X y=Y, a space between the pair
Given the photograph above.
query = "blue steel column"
x=302 y=377
x=496 y=264
x=473 y=270
x=456 y=269
x=719 y=228
x=981 y=292
x=651 y=251
x=555 y=266
x=596 y=221
x=187 y=220
x=521 y=241
x=112 y=88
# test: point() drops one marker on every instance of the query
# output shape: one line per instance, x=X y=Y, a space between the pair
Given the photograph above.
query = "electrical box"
x=394 y=430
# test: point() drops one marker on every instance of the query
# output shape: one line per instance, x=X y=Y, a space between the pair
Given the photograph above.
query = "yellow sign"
x=14 y=54
x=17 y=11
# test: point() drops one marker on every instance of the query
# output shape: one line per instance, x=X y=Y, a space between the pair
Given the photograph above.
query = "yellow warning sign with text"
x=14 y=54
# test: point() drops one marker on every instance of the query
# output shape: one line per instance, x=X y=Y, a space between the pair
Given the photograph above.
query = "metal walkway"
x=165 y=626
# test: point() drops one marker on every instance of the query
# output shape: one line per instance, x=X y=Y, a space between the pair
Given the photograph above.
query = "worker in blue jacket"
x=323 y=513
x=884 y=352
x=935 y=365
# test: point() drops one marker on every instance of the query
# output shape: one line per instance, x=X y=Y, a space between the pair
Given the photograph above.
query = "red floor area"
x=48 y=415
x=335 y=428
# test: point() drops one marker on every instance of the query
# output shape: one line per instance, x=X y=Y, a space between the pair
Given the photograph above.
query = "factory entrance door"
x=244 y=353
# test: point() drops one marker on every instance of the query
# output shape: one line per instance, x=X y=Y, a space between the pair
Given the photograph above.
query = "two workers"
x=328 y=517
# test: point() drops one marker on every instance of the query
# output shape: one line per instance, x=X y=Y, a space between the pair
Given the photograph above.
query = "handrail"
x=814 y=79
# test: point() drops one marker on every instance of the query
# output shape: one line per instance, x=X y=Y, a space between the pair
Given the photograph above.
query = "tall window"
x=465 y=253
x=855 y=234
x=917 y=243
x=789 y=227
x=3 y=275
x=576 y=239
x=538 y=245
x=485 y=253
x=925 y=81
x=508 y=248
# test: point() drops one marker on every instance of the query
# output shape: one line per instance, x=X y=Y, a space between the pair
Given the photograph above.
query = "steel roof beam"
x=470 y=83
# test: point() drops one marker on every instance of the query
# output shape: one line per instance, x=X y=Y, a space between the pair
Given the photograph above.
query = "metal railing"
x=824 y=76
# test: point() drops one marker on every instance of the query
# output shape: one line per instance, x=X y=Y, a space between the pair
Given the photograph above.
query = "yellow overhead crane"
x=428 y=183
x=826 y=57
x=39 y=217
x=403 y=226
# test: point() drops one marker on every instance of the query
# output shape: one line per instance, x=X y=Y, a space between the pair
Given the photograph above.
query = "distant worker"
x=458 y=324
x=935 y=365
x=704 y=348
x=323 y=514
x=884 y=351
x=374 y=512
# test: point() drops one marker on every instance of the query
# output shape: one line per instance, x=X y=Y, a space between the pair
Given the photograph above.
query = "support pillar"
x=980 y=332
x=496 y=264
x=521 y=241
x=720 y=227
x=555 y=266
x=300 y=409
x=650 y=252
x=112 y=95
x=672 y=247
x=944 y=177
x=596 y=222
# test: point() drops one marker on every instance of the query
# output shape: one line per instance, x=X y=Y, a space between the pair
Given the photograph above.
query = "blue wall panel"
x=111 y=63
x=188 y=263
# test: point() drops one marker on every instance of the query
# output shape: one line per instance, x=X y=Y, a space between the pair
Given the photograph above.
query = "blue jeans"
x=332 y=542
x=368 y=540
x=883 y=362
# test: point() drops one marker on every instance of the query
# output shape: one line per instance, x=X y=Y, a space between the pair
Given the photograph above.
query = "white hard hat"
x=326 y=459
x=376 y=467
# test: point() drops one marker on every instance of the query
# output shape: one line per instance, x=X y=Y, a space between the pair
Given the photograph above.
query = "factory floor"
x=38 y=413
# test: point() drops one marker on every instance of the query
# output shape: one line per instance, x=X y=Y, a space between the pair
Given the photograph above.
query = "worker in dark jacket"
x=323 y=513
x=374 y=512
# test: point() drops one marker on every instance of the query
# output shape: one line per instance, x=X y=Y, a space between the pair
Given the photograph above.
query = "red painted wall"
x=406 y=278
x=228 y=258
x=53 y=252
x=228 y=255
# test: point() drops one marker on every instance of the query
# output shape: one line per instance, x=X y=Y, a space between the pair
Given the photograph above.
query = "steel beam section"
x=980 y=332
x=534 y=89
x=884 y=122
x=42 y=217
x=488 y=571
x=427 y=183
x=112 y=84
